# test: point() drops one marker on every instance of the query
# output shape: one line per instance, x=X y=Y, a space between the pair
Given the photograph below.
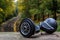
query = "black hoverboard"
x=27 y=27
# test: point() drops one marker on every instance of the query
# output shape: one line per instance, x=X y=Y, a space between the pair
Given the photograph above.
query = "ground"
x=39 y=36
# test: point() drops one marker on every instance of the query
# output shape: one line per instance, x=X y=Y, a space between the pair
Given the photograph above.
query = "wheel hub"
x=25 y=28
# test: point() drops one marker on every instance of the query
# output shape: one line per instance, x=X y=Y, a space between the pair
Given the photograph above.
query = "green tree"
x=6 y=9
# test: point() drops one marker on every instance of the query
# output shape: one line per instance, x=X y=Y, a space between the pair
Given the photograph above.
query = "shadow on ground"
x=43 y=34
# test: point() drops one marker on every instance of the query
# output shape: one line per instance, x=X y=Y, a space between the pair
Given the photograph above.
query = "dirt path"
x=9 y=25
x=18 y=36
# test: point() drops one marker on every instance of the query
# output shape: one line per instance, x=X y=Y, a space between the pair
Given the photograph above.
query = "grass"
x=58 y=29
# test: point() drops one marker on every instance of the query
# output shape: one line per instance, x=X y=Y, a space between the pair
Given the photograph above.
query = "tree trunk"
x=54 y=9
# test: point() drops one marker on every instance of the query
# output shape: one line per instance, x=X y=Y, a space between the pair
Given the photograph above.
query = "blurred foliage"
x=27 y=9
x=30 y=8
x=6 y=10
x=34 y=9
x=58 y=29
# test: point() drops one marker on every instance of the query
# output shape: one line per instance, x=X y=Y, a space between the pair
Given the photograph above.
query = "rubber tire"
x=49 y=31
x=32 y=26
